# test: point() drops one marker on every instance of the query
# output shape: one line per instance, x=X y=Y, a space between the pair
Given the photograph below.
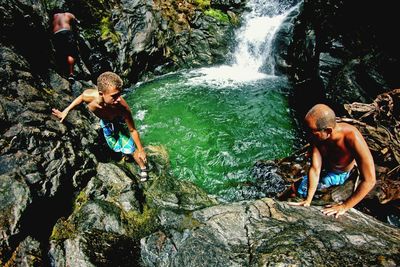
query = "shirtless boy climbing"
x=107 y=103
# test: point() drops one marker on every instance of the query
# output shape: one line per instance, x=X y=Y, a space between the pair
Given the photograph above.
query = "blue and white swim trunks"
x=327 y=179
x=115 y=139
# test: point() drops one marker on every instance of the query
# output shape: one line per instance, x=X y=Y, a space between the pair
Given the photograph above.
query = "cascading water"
x=217 y=122
x=252 y=59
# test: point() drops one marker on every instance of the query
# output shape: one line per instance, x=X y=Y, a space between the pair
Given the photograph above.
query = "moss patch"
x=95 y=17
x=63 y=230
x=189 y=222
x=203 y=4
x=49 y=91
x=142 y=224
x=217 y=14
x=107 y=30
x=80 y=199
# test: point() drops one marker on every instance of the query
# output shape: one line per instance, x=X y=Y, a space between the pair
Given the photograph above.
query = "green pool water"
x=214 y=134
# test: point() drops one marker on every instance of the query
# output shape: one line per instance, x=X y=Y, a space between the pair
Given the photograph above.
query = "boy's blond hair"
x=107 y=80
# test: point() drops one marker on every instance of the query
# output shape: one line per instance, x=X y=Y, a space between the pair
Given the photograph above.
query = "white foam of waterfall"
x=252 y=59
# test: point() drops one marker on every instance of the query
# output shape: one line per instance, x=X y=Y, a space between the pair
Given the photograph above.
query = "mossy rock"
x=169 y=192
x=63 y=230
x=217 y=14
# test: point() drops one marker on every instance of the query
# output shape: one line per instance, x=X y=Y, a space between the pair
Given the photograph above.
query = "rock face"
x=269 y=233
x=138 y=39
x=341 y=54
x=113 y=212
x=41 y=160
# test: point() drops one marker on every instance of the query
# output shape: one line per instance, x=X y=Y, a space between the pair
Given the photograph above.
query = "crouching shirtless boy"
x=107 y=103
x=336 y=148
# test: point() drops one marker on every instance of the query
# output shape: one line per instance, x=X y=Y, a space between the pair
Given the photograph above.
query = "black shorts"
x=65 y=44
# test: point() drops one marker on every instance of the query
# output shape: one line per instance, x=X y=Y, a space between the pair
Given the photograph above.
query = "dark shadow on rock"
x=39 y=219
x=110 y=249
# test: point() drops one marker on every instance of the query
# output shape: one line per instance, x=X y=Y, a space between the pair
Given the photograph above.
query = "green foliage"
x=107 y=30
x=203 y=4
x=217 y=14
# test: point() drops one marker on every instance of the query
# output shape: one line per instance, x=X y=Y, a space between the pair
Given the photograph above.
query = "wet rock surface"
x=41 y=159
x=140 y=39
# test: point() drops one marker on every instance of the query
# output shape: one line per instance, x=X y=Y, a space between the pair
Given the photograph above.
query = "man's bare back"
x=64 y=37
x=62 y=21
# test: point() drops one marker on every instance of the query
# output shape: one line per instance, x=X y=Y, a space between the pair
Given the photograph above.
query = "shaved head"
x=322 y=115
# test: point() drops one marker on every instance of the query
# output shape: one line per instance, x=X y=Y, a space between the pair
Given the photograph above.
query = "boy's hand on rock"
x=142 y=155
x=336 y=210
x=304 y=203
x=59 y=114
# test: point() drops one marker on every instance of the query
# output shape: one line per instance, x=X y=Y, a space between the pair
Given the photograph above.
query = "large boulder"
x=140 y=38
x=268 y=233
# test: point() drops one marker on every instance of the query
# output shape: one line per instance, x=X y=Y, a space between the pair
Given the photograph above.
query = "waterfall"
x=252 y=59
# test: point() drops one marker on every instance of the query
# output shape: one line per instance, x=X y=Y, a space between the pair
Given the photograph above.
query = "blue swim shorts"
x=327 y=179
x=115 y=139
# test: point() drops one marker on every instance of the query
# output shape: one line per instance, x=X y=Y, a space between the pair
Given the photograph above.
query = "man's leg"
x=71 y=62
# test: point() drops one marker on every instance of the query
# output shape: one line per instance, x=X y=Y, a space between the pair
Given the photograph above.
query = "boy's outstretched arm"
x=62 y=114
x=87 y=96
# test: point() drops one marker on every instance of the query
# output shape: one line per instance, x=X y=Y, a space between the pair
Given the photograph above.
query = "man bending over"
x=336 y=149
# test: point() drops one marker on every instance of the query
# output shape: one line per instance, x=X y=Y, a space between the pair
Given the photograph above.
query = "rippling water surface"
x=214 y=132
